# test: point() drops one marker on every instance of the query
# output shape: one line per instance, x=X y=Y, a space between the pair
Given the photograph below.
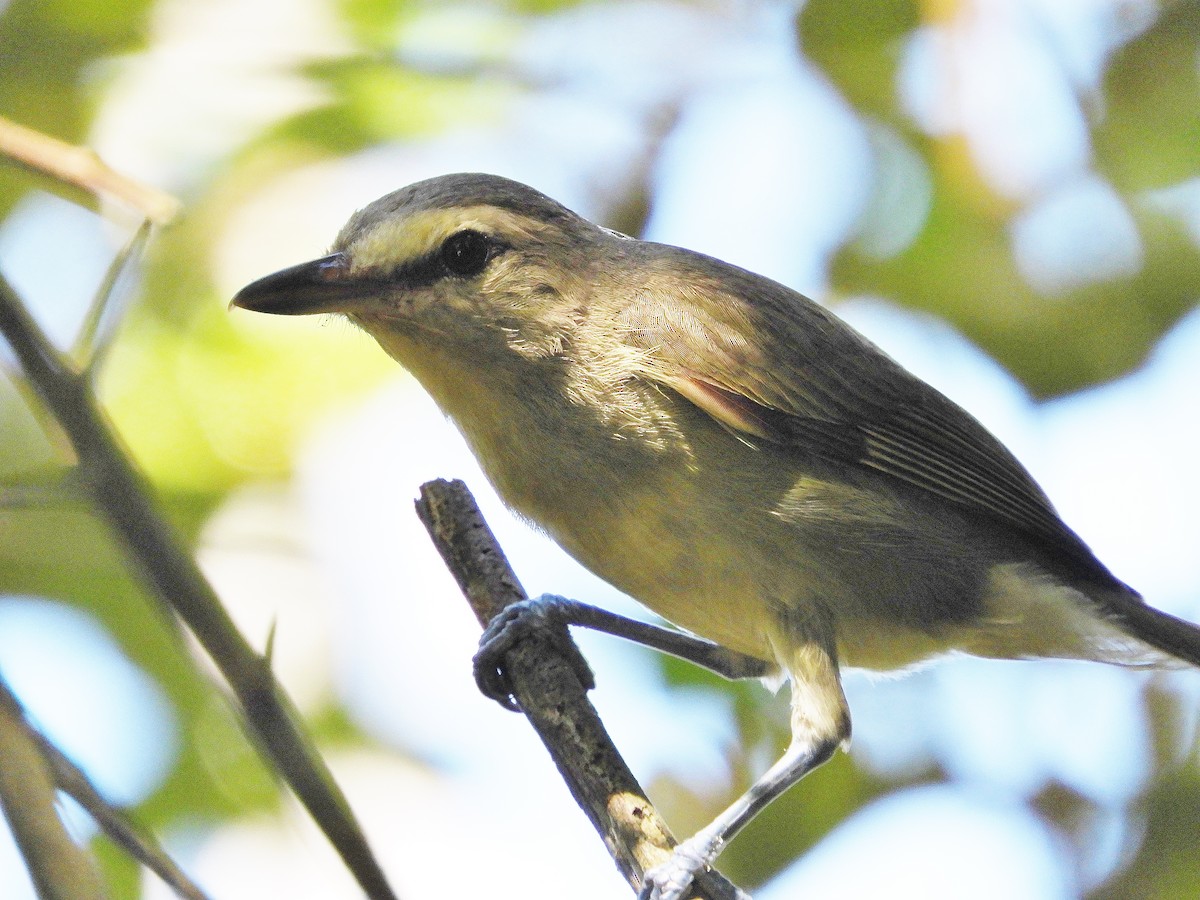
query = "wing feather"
x=808 y=380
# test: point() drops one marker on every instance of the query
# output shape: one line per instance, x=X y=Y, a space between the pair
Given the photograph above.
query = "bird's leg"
x=671 y=880
x=553 y=614
x=820 y=724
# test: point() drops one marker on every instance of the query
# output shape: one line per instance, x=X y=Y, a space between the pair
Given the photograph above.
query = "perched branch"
x=60 y=868
x=123 y=497
x=81 y=167
x=551 y=696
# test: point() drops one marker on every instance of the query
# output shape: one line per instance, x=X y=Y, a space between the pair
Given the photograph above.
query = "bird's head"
x=461 y=263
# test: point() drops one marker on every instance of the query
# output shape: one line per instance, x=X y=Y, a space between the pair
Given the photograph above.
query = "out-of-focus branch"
x=551 y=696
x=123 y=498
x=120 y=830
x=80 y=166
x=60 y=868
x=99 y=326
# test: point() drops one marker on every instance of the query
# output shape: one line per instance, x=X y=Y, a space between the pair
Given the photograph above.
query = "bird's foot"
x=546 y=617
x=673 y=879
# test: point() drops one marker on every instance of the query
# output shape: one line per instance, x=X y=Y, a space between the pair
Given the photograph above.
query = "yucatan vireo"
x=722 y=449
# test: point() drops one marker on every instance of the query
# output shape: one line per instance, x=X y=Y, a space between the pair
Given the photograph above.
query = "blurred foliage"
x=1146 y=137
x=377 y=101
x=204 y=405
x=1145 y=131
x=858 y=44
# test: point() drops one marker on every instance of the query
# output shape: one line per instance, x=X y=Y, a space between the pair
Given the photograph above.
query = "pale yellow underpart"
x=1031 y=615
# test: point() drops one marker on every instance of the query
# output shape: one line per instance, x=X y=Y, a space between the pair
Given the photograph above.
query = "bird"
x=724 y=450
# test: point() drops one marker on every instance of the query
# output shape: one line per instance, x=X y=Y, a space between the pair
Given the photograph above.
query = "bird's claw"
x=673 y=879
x=542 y=616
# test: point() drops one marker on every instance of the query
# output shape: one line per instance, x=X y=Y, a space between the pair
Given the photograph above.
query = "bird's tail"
x=1163 y=631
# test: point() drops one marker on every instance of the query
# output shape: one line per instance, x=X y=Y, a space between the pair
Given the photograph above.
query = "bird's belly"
x=677 y=567
x=743 y=580
x=741 y=549
x=737 y=594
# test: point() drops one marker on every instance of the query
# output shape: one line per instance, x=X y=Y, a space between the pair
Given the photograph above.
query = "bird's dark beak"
x=321 y=286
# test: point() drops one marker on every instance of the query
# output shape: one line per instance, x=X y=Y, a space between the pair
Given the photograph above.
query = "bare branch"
x=551 y=697
x=81 y=167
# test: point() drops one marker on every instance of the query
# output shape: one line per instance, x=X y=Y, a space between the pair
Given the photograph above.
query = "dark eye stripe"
x=432 y=267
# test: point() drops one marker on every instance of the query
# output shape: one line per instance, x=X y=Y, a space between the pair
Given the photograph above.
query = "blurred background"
x=1004 y=194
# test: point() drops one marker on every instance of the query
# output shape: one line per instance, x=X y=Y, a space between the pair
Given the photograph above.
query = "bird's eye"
x=466 y=253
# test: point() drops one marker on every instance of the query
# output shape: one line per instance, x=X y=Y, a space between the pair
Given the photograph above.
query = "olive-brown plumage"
x=721 y=448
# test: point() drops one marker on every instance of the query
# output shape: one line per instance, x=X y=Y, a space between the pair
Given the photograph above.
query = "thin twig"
x=81 y=167
x=156 y=552
x=120 y=830
x=100 y=324
x=551 y=697
x=60 y=868
x=56 y=771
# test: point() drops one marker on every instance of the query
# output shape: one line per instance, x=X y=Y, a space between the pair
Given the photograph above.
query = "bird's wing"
x=809 y=381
